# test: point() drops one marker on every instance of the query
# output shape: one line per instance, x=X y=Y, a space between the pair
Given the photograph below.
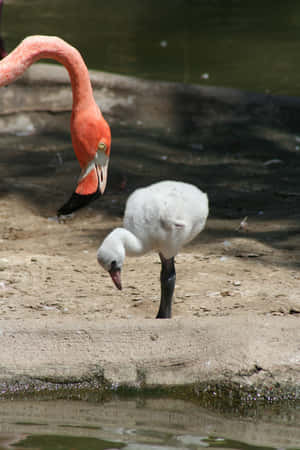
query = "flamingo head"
x=91 y=140
x=115 y=274
x=111 y=255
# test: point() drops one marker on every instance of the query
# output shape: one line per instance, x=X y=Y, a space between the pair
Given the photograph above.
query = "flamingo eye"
x=113 y=265
x=102 y=146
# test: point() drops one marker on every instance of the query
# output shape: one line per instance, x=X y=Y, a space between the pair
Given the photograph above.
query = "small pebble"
x=223 y=258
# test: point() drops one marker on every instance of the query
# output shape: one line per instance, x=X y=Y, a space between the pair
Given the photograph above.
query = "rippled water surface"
x=145 y=424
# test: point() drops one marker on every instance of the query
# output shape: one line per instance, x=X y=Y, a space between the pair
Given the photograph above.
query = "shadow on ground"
x=242 y=149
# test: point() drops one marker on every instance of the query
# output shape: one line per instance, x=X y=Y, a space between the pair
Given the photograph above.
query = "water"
x=144 y=424
x=248 y=45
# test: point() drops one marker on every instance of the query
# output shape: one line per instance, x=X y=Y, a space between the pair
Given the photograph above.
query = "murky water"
x=143 y=423
x=250 y=45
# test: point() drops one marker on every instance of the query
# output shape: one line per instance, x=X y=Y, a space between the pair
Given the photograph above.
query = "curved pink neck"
x=34 y=48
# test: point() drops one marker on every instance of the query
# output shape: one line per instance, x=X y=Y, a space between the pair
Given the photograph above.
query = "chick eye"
x=102 y=146
x=113 y=265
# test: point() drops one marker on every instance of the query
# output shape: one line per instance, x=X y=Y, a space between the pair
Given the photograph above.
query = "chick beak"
x=116 y=277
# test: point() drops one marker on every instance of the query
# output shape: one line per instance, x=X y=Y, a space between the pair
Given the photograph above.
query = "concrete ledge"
x=173 y=110
x=255 y=354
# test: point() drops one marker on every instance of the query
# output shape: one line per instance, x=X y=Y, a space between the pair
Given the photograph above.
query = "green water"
x=143 y=424
x=250 y=45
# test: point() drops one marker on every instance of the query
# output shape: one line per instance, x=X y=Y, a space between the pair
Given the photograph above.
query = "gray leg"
x=167 y=284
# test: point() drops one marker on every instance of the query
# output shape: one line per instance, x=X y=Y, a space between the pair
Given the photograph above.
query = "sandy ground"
x=48 y=268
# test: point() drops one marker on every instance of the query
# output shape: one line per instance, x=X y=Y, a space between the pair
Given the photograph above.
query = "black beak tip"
x=77 y=201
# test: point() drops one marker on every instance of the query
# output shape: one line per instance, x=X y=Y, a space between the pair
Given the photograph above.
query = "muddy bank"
x=236 y=308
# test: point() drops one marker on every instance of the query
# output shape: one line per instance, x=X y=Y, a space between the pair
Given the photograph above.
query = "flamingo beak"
x=97 y=168
x=116 y=277
x=102 y=174
x=100 y=161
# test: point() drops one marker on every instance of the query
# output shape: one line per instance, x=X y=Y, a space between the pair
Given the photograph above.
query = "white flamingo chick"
x=162 y=217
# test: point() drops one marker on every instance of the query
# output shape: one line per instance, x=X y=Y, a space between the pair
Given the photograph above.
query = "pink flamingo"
x=2 y=49
x=90 y=133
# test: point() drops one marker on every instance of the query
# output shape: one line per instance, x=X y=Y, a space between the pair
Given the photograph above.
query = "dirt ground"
x=48 y=268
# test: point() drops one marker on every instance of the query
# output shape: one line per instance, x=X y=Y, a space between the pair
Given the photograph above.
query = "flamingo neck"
x=131 y=244
x=34 y=48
